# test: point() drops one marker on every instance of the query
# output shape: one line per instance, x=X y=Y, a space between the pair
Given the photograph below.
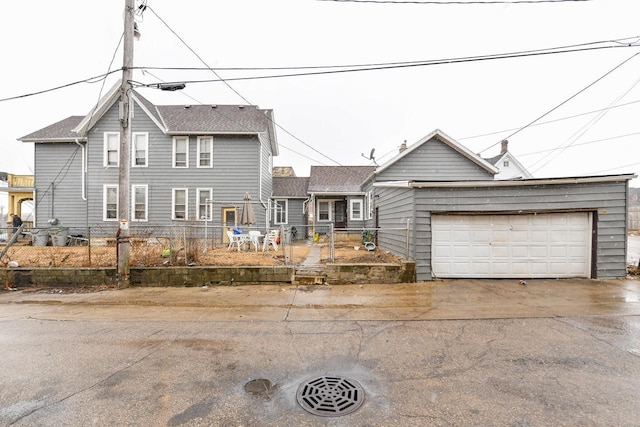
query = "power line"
x=471 y=2
x=95 y=79
x=551 y=121
x=236 y=92
x=580 y=144
x=403 y=65
x=566 y=100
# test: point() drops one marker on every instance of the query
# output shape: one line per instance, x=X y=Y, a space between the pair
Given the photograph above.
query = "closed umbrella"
x=247 y=217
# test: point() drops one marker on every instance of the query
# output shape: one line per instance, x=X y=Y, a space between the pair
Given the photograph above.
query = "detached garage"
x=534 y=228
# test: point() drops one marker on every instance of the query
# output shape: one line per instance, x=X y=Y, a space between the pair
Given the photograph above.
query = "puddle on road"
x=260 y=387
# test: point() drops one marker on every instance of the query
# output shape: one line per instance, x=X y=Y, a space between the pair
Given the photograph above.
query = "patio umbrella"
x=247 y=217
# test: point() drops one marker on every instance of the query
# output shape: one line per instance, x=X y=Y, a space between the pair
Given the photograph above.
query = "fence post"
x=332 y=242
x=89 y=244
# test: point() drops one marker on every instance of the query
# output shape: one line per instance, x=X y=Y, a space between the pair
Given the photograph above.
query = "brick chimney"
x=403 y=146
x=504 y=147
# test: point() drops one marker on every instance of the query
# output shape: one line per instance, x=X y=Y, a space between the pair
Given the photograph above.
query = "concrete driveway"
x=446 y=353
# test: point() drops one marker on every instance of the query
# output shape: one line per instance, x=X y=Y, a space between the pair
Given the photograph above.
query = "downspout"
x=84 y=169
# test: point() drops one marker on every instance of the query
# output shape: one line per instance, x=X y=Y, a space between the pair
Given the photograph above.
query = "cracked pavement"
x=444 y=353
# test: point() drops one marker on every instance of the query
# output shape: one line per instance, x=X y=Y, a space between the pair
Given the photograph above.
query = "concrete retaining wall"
x=199 y=276
x=341 y=274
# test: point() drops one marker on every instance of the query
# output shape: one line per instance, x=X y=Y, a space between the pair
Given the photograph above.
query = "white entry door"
x=511 y=246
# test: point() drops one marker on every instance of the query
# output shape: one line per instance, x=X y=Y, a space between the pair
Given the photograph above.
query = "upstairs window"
x=140 y=149
x=181 y=152
x=505 y=163
x=205 y=152
x=111 y=148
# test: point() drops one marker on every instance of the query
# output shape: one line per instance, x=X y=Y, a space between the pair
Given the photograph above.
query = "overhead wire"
x=235 y=91
x=450 y=2
x=565 y=101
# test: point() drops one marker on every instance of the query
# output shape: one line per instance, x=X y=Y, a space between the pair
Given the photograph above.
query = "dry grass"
x=143 y=254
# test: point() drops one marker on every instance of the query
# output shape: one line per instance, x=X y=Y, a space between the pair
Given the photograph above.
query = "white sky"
x=50 y=43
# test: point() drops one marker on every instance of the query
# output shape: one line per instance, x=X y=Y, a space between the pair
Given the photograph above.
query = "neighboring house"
x=290 y=204
x=189 y=163
x=338 y=196
x=509 y=166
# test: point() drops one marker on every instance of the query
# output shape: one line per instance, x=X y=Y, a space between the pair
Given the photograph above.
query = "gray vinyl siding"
x=607 y=201
x=236 y=170
x=58 y=185
x=296 y=217
x=434 y=161
x=396 y=211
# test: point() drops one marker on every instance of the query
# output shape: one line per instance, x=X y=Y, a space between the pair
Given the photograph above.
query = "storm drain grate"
x=330 y=396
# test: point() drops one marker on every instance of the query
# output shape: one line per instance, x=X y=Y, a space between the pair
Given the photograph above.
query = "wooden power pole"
x=124 y=184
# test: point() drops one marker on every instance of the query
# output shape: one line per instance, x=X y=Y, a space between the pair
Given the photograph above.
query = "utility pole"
x=124 y=184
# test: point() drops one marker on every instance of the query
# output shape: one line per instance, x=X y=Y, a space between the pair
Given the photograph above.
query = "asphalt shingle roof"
x=290 y=186
x=338 y=179
x=61 y=130
x=213 y=118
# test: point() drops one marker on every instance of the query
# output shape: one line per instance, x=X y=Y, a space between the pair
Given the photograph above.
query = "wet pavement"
x=443 y=353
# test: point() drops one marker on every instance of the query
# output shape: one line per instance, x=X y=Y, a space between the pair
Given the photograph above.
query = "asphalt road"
x=450 y=353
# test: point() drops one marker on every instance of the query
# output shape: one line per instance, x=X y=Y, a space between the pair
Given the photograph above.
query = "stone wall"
x=341 y=274
x=200 y=276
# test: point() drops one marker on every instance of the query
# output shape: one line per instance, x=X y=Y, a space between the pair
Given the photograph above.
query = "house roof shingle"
x=59 y=131
x=290 y=186
x=338 y=179
x=213 y=118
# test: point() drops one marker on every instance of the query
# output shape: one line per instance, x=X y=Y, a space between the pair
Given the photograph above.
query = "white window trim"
x=133 y=150
x=186 y=204
x=210 y=190
x=105 y=154
x=285 y=204
x=370 y=204
x=104 y=201
x=330 y=204
x=173 y=156
x=353 y=202
x=210 y=138
x=146 y=203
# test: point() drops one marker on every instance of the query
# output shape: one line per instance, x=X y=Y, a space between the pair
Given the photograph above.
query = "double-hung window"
x=110 y=203
x=111 y=148
x=179 y=207
x=140 y=149
x=280 y=211
x=370 y=206
x=324 y=210
x=355 y=209
x=205 y=152
x=140 y=201
x=181 y=152
x=204 y=198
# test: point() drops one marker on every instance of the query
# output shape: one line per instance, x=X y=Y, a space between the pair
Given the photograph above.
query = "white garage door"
x=519 y=246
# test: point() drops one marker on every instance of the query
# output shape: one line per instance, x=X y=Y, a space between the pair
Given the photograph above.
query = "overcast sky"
x=344 y=115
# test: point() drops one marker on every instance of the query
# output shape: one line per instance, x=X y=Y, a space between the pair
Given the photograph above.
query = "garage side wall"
x=606 y=200
x=396 y=207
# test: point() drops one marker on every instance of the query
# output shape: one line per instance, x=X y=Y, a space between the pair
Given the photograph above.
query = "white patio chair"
x=234 y=239
x=271 y=239
x=254 y=238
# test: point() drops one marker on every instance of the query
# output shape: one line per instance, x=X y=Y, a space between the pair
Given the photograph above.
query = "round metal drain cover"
x=330 y=396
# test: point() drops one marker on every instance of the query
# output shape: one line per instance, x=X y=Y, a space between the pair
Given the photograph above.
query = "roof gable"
x=338 y=179
x=448 y=141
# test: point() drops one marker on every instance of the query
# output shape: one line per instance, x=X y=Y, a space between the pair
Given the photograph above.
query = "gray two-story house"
x=189 y=164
